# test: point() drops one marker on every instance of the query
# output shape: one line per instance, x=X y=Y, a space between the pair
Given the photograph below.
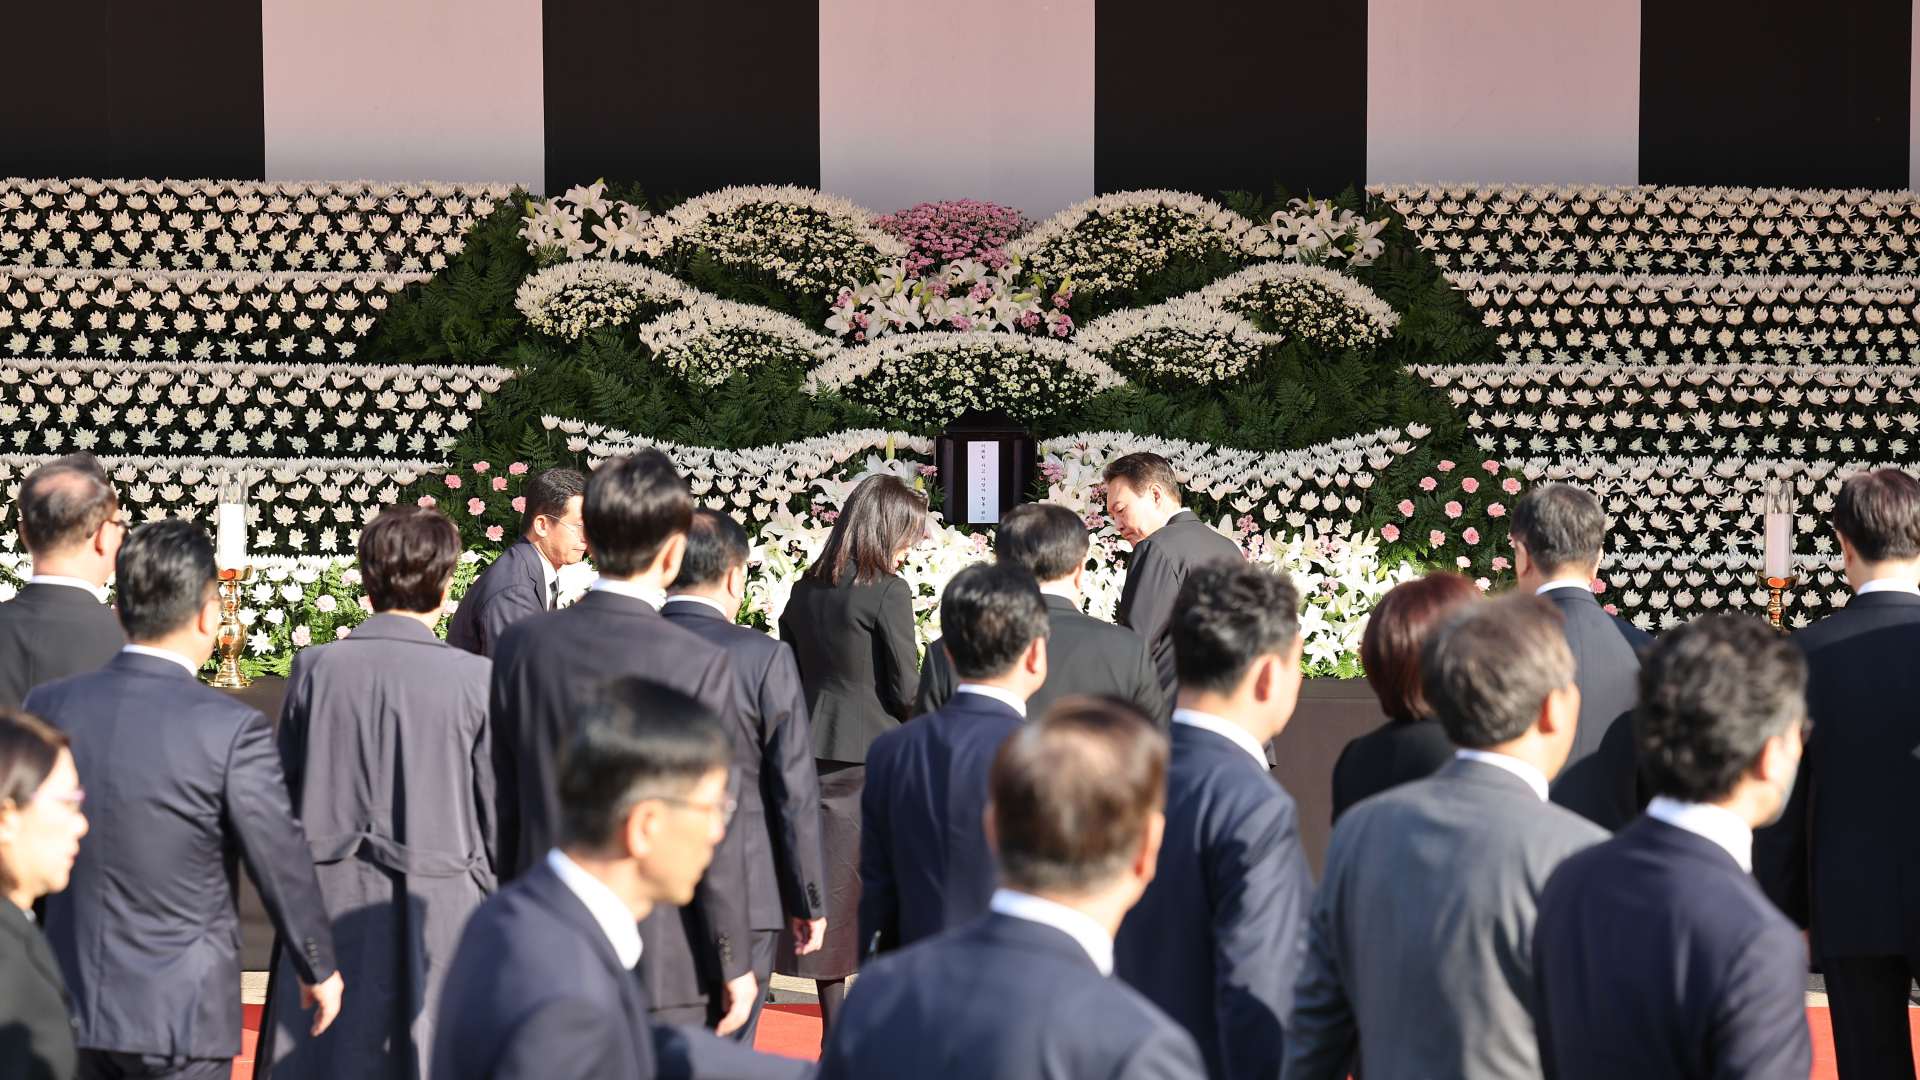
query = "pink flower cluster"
x=943 y=232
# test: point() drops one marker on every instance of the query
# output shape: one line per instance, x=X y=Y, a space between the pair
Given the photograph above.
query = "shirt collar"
x=1887 y=584
x=654 y=597
x=1565 y=583
x=1224 y=728
x=163 y=654
x=1535 y=779
x=615 y=918
x=96 y=591
x=695 y=598
x=1718 y=824
x=1010 y=700
x=1078 y=925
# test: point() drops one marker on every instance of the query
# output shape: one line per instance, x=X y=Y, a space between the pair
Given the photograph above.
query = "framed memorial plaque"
x=986 y=464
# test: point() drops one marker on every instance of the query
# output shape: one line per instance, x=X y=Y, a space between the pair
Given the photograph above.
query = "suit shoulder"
x=1562 y=827
x=1118 y=1021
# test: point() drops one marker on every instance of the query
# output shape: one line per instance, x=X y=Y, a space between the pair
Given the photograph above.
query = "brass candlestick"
x=1776 y=603
x=232 y=640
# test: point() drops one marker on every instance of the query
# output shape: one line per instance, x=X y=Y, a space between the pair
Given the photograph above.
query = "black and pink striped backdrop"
x=1036 y=103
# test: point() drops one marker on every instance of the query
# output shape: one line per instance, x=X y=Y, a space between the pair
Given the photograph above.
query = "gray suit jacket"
x=1154 y=575
x=1420 y=951
x=512 y=588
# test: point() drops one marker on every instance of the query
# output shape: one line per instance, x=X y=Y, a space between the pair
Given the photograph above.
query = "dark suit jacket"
x=1601 y=780
x=546 y=670
x=1154 y=574
x=1036 y=1009
x=36 y=1015
x=1084 y=656
x=779 y=810
x=513 y=587
x=183 y=782
x=925 y=865
x=1395 y=753
x=1656 y=957
x=1220 y=936
x=49 y=632
x=1845 y=856
x=858 y=660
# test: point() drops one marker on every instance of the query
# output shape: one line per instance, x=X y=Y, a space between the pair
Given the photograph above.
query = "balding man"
x=59 y=624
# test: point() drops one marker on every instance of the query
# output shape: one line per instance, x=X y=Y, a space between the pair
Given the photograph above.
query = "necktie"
x=553 y=594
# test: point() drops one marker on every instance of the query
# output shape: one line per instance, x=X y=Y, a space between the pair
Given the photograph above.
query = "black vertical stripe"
x=683 y=96
x=59 y=102
x=1213 y=95
x=1775 y=92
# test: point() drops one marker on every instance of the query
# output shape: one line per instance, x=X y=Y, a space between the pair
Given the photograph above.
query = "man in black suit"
x=1143 y=499
x=547 y=666
x=772 y=753
x=1558 y=533
x=542 y=985
x=1220 y=936
x=59 y=624
x=525 y=579
x=924 y=862
x=180 y=778
x=1023 y=991
x=1656 y=955
x=1084 y=655
x=1842 y=859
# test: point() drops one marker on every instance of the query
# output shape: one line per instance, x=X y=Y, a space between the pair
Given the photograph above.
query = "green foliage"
x=465 y=314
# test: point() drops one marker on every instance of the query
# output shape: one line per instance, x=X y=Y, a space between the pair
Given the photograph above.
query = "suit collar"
x=54 y=582
x=1883 y=600
x=1078 y=926
x=1027 y=936
x=545 y=888
x=1222 y=730
x=1059 y=603
x=980 y=696
x=615 y=603
x=1652 y=832
x=1568 y=592
x=1181 y=517
x=146 y=664
x=694 y=607
x=20 y=924
x=1485 y=775
x=395 y=628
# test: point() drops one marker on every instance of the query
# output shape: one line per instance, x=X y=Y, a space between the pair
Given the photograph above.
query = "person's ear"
x=1779 y=759
x=1036 y=659
x=208 y=624
x=642 y=824
x=671 y=555
x=737 y=584
x=1146 y=859
x=1847 y=550
x=1560 y=712
x=540 y=529
x=1265 y=677
x=1079 y=578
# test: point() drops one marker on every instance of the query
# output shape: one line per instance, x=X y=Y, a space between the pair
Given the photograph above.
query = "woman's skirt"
x=840 y=785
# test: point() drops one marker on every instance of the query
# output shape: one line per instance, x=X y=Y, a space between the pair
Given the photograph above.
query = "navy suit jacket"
x=1656 y=957
x=513 y=587
x=1032 y=1006
x=1219 y=938
x=1601 y=779
x=924 y=861
x=49 y=632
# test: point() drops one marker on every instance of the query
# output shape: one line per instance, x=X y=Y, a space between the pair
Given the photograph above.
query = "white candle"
x=1779 y=561
x=230 y=535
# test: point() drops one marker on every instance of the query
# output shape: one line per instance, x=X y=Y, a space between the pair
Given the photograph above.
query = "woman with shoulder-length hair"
x=850 y=622
x=40 y=829
x=1411 y=744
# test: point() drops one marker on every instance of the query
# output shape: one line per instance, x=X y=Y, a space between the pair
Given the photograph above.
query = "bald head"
x=62 y=506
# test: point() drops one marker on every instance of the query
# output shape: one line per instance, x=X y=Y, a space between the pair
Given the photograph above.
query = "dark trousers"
x=1867 y=998
x=764 y=944
x=109 y=1065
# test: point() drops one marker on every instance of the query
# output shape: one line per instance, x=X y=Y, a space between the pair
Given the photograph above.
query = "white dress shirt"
x=1535 y=779
x=1888 y=584
x=1077 y=925
x=633 y=589
x=164 y=654
x=1010 y=700
x=1715 y=823
x=615 y=918
x=1224 y=728
x=1062 y=589
x=548 y=575
x=88 y=587
x=695 y=598
x=1565 y=583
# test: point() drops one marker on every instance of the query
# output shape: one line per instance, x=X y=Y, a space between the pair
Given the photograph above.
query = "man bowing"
x=525 y=579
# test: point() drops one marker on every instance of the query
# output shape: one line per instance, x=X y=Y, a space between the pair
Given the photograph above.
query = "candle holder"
x=1776 y=602
x=232 y=639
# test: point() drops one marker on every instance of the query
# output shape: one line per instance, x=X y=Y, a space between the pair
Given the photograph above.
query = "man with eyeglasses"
x=59 y=624
x=525 y=579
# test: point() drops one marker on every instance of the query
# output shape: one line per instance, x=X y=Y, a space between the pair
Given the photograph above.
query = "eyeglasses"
x=725 y=807
x=579 y=530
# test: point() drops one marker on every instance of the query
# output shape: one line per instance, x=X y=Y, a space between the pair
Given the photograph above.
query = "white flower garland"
x=812 y=241
x=572 y=299
x=710 y=341
x=1312 y=303
x=1182 y=340
x=930 y=377
x=1114 y=242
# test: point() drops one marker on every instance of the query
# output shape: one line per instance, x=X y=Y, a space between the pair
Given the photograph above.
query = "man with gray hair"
x=1420 y=947
x=60 y=624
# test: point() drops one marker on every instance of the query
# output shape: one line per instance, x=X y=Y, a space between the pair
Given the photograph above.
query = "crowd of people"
x=577 y=842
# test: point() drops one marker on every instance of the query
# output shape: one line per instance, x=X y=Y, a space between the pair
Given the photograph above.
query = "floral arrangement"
x=946 y=232
x=1181 y=341
x=927 y=379
x=354 y=226
x=713 y=340
x=806 y=240
x=966 y=295
x=1316 y=232
x=1309 y=303
x=1115 y=243
x=582 y=222
x=573 y=299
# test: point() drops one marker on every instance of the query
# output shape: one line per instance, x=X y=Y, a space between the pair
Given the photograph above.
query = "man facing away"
x=59 y=623
x=924 y=861
x=1075 y=823
x=1420 y=952
x=1220 y=936
x=1710 y=980
x=525 y=579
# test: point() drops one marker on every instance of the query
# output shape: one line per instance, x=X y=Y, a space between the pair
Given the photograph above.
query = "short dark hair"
x=637 y=740
x=881 y=516
x=1141 y=470
x=1397 y=628
x=164 y=576
x=715 y=544
x=989 y=614
x=1879 y=514
x=1712 y=693
x=547 y=495
x=64 y=502
x=1228 y=615
x=1072 y=794
x=1046 y=538
x=1488 y=669
x=29 y=748
x=407 y=557
x=634 y=505
x=1561 y=526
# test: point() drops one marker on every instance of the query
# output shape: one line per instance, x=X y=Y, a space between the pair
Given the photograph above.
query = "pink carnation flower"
x=1598 y=585
x=1445 y=466
x=1511 y=485
x=426 y=500
x=1500 y=562
x=495 y=532
x=1428 y=483
x=1436 y=538
x=1471 y=535
x=1390 y=533
x=519 y=504
x=1469 y=485
x=1452 y=509
x=302 y=637
x=499 y=483
x=1406 y=507
x=481 y=466
x=518 y=468
x=1495 y=510
x=1492 y=467
x=476 y=507
x=453 y=480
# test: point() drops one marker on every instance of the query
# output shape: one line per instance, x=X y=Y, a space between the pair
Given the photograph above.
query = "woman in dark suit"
x=40 y=830
x=1411 y=744
x=850 y=622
